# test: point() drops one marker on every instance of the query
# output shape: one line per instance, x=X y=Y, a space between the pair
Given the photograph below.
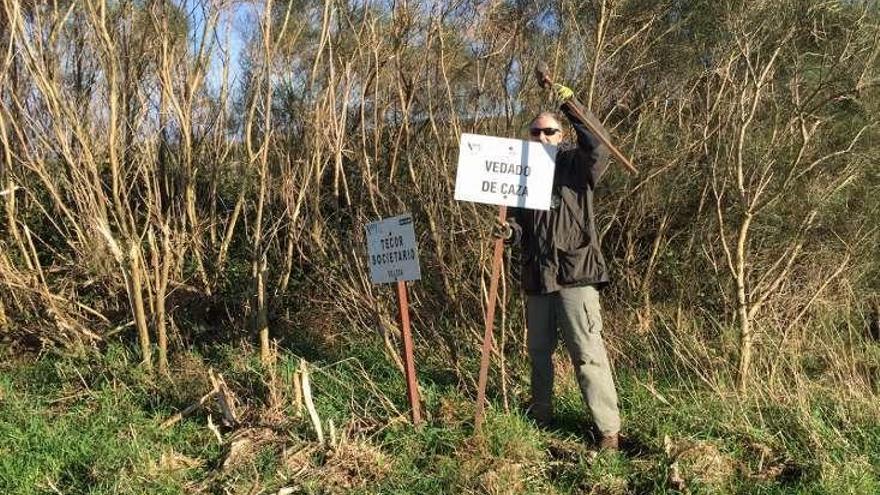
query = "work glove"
x=563 y=93
x=502 y=230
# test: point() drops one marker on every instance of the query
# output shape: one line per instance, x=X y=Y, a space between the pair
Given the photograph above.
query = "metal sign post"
x=490 y=324
x=412 y=386
x=394 y=258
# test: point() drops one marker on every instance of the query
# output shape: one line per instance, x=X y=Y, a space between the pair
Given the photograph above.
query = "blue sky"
x=232 y=32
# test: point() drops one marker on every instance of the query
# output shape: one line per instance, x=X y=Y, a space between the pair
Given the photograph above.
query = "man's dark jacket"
x=560 y=247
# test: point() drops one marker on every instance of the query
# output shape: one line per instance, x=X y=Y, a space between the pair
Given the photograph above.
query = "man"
x=562 y=270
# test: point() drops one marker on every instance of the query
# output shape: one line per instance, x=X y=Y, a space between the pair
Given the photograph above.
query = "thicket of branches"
x=145 y=188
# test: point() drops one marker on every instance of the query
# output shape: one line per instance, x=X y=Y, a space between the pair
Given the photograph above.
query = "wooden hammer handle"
x=575 y=109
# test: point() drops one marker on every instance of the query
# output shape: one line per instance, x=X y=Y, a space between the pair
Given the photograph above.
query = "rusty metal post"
x=412 y=386
x=490 y=324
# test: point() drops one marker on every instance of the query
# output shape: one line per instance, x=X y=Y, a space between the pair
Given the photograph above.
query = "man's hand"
x=502 y=230
x=563 y=93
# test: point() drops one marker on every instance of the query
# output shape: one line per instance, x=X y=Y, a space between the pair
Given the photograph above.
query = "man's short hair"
x=547 y=113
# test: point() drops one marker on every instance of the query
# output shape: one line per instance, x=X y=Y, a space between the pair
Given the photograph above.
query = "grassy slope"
x=91 y=425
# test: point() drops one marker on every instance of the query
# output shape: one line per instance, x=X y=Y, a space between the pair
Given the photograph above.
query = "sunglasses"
x=549 y=131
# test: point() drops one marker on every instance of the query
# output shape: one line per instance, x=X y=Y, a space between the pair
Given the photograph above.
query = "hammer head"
x=542 y=73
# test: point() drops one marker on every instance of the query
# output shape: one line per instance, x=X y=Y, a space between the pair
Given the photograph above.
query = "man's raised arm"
x=591 y=152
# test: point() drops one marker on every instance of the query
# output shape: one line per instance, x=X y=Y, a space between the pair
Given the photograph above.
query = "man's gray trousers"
x=576 y=311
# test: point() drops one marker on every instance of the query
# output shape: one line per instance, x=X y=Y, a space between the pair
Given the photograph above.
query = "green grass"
x=58 y=430
x=90 y=424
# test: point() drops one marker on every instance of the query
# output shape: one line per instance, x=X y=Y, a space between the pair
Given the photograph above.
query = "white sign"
x=391 y=246
x=502 y=171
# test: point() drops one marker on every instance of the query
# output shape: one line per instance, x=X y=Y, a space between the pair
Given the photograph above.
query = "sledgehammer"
x=544 y=80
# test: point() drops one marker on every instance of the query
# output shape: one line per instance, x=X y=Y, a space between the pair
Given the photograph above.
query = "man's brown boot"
x=610 y=442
